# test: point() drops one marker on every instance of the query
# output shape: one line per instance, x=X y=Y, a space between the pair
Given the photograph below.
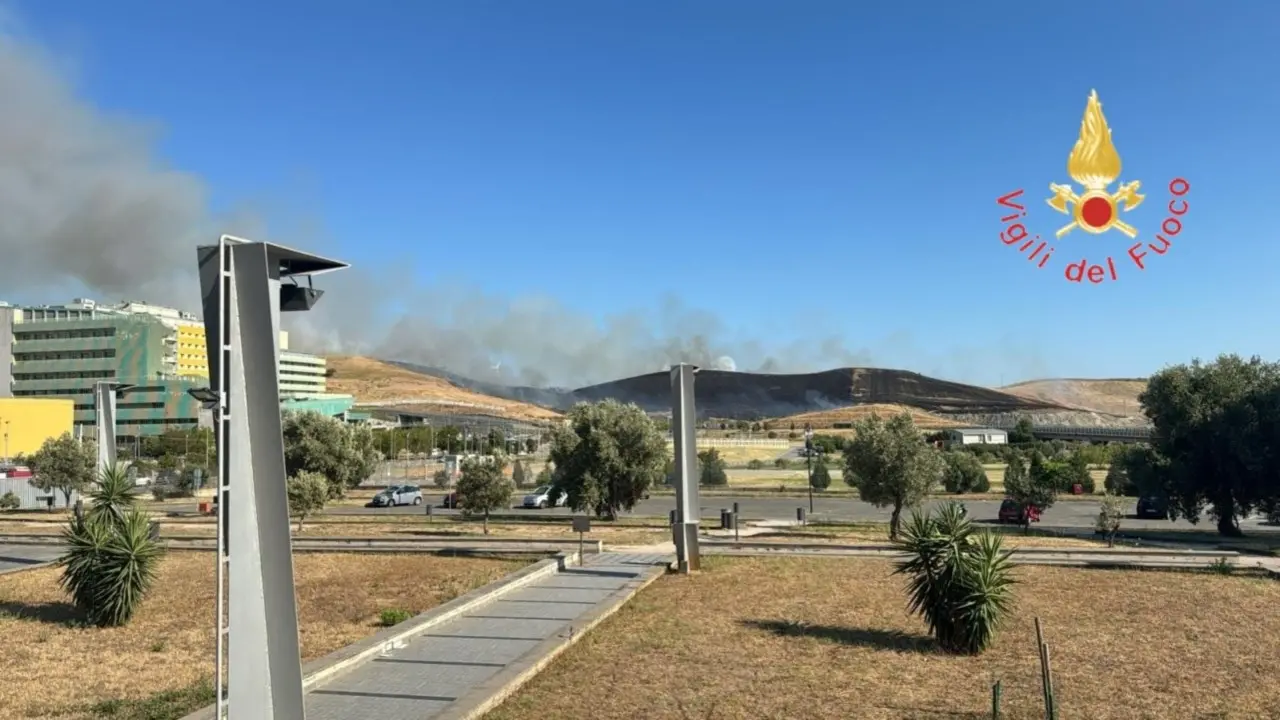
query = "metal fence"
x=32 y=497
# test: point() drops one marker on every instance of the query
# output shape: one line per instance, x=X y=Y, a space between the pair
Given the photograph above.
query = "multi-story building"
x=66 y=354
x=63 y=350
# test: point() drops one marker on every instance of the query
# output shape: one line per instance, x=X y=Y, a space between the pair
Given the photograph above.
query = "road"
x=13 y=557
x=1066 y=514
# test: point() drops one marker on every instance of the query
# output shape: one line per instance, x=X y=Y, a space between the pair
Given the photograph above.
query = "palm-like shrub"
x=960 y=581
x=111 y=557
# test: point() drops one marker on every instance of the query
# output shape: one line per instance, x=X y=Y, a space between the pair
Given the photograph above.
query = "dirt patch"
x=825 y=638
x=879 y=535
x=169 y=645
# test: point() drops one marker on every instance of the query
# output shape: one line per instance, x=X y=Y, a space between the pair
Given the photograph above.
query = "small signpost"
x=582 y=526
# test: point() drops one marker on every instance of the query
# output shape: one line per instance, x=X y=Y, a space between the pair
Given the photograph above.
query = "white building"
x=977 y=436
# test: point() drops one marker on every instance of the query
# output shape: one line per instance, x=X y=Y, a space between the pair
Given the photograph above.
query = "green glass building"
x=61 y=356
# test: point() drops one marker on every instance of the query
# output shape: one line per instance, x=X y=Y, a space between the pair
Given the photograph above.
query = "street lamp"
x=808 y=460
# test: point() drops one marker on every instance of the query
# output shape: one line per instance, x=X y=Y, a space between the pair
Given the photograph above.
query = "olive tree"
x=1215 y=437
x=307 y=492
x=342 y=453
x=892 y=464
x=606 y=456
x=1110 y=515
x=484 y=486
x=64 y=463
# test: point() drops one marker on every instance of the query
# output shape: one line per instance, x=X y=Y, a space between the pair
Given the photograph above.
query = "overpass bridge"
x=1087 y=434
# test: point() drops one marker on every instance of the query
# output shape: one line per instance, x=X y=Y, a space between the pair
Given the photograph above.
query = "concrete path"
x=466 y=665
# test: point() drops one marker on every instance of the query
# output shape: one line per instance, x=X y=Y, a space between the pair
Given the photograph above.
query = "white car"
x=541 y=498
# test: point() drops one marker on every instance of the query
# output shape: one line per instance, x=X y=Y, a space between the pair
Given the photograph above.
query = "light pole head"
x=207 y=397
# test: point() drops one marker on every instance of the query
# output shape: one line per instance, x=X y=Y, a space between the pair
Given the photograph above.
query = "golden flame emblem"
x=1095 y=164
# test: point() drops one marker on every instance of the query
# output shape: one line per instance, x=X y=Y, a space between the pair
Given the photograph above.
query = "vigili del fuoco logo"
x=1094 y=165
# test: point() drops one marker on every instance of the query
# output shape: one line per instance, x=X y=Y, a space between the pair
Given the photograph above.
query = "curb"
x=339 y=661
x=25 y=568
x=493 y=692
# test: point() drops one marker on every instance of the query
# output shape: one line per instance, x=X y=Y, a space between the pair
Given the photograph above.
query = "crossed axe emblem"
x=1125 y=197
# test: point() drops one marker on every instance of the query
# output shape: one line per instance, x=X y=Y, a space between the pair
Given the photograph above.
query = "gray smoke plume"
x=87 y=208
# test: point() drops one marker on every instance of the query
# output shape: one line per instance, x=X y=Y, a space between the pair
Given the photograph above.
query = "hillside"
x=755 y=395
x=827 y=419
x=1113 y=396
x=373 y=381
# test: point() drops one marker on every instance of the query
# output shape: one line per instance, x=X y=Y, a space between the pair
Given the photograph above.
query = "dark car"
x=1012 y=512
x=450 y=501
x=1152 y=506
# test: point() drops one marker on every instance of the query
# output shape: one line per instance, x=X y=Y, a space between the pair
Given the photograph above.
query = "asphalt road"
x=1065 y=514
x=13 y=557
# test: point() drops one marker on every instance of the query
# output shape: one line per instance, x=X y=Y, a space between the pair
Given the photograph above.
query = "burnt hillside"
x=750 y=396
x=755 y=395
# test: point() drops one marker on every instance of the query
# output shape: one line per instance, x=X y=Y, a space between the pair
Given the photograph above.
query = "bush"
x=393 y=616
x=1117 y=481
x=772 y=435
x=9 y=501
x=755 y=464
x=712 y=470
x=821 y=476
x=111 y=560
x=964 y=474
x=960 y=581
x=440 y=478
x=781 y=463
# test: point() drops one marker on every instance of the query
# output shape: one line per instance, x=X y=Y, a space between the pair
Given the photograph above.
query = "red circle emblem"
x=1096 y=212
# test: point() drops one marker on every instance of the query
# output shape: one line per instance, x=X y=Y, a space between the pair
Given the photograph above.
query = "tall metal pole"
x=684 y=439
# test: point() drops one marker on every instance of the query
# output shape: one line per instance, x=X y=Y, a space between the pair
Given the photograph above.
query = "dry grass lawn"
x=169 y=645
x=743 y=454
x=831 y=638
x=872 y=534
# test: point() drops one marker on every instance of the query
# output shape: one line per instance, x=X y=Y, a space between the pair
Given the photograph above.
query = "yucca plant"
x=960 y=581
x=111 y=558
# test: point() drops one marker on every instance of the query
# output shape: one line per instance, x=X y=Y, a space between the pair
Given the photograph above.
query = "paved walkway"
x=427 y=675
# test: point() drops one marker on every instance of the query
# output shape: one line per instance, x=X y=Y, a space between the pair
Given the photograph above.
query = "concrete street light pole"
x=684 y=429
x=243 y=295
x=808 y=459
x=104 y=406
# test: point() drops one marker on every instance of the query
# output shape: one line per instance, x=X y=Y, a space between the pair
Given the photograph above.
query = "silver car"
x=541 y=498
x=398 y=495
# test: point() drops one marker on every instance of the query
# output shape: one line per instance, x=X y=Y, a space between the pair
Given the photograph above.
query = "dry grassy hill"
x=1113 y=396
x=826 y=419
x=373 y=381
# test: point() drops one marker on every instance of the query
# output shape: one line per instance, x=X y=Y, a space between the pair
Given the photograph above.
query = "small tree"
x=441 y=478
x=712 y=468
x=607 y=455
x=308 y=492
x=530 y=445
x=1037 y=488
x=755 y=464
x=821 y=475
x=9 y=501
x=111 y=558
x=518 y=474
x=1110 y=513
x=1022 y=432
x=1117 y=482
x=960 y=581
x=344 y=454
x=1077 y=473
x=964 y=473
x=64 y=463
x=484 y=487
x=891 y=465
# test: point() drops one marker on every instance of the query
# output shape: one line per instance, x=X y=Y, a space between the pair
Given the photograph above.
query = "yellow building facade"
x=193 y=354
x=26 y=422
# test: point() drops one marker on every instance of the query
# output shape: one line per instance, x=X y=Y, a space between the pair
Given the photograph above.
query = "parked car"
x=450 y=501
x=1012 y=512
x=1152 y=506
x=398 y=495
x=541 y=498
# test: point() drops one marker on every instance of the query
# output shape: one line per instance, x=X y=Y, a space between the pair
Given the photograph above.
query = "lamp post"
x=6 y=441
x=808 y=460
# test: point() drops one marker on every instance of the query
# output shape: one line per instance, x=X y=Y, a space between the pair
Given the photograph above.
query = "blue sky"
x=826 y=168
